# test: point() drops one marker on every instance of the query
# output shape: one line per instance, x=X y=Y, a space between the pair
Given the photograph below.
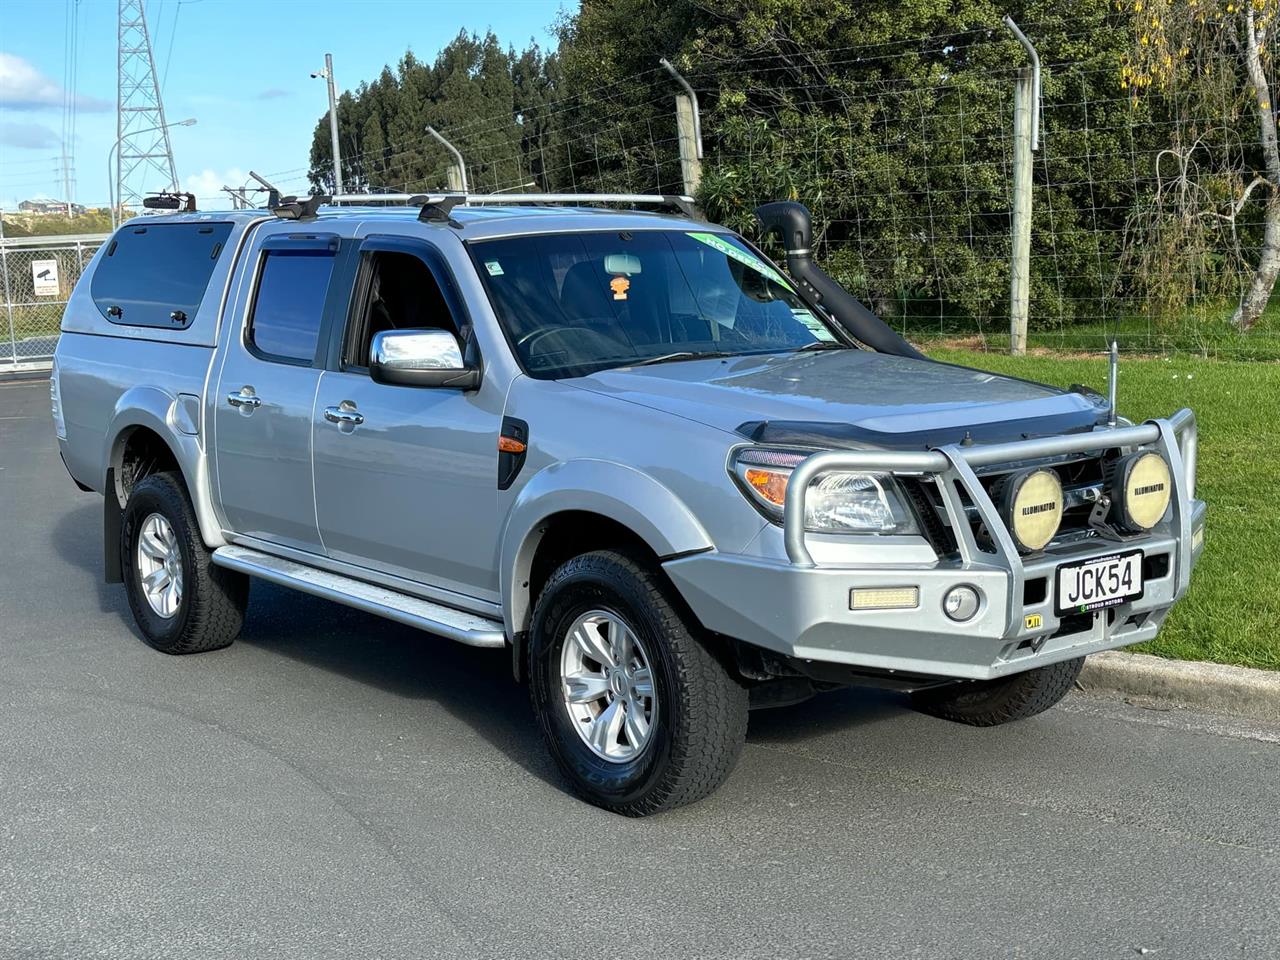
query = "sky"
x=240 y=68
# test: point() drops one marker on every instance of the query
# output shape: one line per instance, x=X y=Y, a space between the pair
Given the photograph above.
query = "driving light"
x=1140 y=488
x=1031 y=505
x=961 y=603
x=837 y=502
x=884 y=598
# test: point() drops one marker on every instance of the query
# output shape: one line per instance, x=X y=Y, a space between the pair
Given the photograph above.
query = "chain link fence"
x=39 y=274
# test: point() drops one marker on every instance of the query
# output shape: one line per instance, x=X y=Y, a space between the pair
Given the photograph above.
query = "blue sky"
x=241 y=68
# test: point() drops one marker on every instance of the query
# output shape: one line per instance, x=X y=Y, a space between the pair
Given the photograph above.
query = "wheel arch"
x=586 y=505
x=149 y=430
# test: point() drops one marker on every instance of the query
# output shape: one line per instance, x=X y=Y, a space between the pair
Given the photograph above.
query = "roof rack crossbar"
x=683 y=204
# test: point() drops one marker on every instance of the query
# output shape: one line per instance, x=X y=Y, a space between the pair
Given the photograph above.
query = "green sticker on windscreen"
x=494 y=268
x=755 y=263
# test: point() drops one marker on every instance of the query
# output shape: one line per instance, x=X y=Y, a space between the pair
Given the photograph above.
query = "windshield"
x=578 y=302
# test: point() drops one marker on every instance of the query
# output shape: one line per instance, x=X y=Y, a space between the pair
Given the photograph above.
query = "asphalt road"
x=336 y=786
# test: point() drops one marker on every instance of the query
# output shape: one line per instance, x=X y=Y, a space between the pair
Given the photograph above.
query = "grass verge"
x=1231 y=612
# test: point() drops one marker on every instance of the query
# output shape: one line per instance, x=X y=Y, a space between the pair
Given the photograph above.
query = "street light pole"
x=113 y=171
x=327 y=73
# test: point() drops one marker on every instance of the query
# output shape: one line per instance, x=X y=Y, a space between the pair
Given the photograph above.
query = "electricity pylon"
x=146 y=155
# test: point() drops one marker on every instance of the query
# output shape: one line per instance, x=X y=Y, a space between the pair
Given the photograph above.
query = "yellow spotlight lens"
x=1147 y=487
x=884 y=598
x=1034 y=508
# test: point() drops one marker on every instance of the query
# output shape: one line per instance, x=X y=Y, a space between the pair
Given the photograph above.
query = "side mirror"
x=420 y=358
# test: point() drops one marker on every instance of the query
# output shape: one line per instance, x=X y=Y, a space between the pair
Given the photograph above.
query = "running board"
x=468 y=628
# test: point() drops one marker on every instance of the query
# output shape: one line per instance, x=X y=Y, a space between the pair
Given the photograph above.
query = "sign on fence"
x=44 y=277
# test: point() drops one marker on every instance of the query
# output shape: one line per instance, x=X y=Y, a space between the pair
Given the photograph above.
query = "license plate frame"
x=1118 y=561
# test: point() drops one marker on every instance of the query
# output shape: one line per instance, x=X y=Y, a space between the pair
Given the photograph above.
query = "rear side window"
x=156 y=274
x=289 y=304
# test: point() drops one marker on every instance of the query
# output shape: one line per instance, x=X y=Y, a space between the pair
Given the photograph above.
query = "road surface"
x=333 y=785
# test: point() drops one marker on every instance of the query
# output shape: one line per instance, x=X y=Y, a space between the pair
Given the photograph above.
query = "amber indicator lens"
x=510 y=445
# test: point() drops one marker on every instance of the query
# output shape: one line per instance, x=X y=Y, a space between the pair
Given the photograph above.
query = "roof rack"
x=441 y=203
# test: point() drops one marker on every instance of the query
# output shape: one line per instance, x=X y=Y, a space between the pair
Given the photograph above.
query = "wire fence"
x=1146 y=221
x=39 y=274
x=910 y=182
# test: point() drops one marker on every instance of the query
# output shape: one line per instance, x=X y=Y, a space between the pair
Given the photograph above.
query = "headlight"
x=1140 y=489
x=1031 y=505
x=837 y=502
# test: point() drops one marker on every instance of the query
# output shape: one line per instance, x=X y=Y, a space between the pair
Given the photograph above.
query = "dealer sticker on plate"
x=1100 y=582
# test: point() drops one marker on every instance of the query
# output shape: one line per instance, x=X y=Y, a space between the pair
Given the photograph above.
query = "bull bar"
x=1173 y=437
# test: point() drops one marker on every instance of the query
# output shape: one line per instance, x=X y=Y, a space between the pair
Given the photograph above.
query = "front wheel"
x=638 y=712
x=989 y=703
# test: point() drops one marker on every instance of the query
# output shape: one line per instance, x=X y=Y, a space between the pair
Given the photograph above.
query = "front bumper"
x=801 y=609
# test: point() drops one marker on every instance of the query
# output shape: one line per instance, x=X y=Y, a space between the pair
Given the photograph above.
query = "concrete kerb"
x=1239 y=691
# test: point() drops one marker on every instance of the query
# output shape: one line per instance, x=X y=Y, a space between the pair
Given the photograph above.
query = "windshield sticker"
x=619 y=286
x=755 y=263
x=494 y=268
x=813 y=324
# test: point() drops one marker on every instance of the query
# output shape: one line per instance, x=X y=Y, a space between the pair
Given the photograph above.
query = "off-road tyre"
x=211 y=610
x=701 y=721
x=989 y=703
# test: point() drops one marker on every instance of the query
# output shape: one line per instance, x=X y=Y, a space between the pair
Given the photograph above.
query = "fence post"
x=8 y=302
x=690 y=165
x=1020 y=253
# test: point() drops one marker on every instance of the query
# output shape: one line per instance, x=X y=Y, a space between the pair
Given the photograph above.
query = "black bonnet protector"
x=880 y=432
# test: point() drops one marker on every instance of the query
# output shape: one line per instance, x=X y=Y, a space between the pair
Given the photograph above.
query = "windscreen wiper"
x=679 y=355
x=824 y=345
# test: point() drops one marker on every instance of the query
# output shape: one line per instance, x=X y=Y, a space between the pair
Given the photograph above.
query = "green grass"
x=1231 y=614
x=1205 y=333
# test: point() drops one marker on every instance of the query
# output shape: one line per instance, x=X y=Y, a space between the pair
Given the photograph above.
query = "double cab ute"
x=674 y=480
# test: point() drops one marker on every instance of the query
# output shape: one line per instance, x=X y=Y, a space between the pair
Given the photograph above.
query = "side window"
x=401 y=293
x=155 y=274
x=289 y=304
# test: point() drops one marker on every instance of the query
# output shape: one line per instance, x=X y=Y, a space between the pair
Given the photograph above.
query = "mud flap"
x=111 y=518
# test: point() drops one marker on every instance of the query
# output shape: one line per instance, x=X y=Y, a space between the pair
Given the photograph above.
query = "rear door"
x=411 y=489
x=266 y=389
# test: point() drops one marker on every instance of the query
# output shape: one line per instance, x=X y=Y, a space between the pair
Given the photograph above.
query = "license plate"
x=1098 y=583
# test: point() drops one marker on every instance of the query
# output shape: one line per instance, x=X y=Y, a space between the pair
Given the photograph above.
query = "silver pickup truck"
x=673 y=480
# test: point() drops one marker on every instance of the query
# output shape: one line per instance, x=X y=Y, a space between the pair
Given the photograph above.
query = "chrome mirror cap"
x=420 y=358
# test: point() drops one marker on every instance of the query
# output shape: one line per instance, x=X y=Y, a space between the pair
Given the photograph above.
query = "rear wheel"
x=181 y=602
x=989 y=703
x=638 y=712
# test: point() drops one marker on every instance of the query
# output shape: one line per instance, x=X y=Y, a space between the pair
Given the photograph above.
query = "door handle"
x=243 y=399
x=343 y=415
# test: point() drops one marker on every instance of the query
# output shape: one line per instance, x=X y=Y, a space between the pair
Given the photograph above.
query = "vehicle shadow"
x=474 y=685
x=77 y=537
x=826 y=713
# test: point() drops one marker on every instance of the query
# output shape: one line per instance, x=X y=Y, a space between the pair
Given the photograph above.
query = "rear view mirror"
x=420 y=358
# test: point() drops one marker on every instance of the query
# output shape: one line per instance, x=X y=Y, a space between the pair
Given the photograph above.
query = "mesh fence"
x=1147 y=217
x=38 y=280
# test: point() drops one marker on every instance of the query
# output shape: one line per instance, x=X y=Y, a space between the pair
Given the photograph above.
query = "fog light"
x=961 y=603
x=884 y=598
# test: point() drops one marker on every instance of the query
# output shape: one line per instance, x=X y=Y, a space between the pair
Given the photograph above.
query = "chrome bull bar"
x=953 y=465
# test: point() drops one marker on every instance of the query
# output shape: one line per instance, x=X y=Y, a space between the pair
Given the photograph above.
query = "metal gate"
x=39 y=274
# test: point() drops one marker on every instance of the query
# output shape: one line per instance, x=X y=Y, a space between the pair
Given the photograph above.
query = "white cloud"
x=207 y=185
x=23 y=87
x=28 y=136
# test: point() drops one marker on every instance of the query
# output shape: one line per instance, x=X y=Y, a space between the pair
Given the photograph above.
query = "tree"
x=1212 y=64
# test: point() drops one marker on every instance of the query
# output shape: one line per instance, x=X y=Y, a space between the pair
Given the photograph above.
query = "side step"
x=468 y=628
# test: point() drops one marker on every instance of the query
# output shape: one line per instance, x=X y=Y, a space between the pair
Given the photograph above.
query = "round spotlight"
x=961 y=603
x=1140 y=489
x=1031 y=504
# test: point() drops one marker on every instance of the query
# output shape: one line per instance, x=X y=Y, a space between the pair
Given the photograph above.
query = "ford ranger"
x=673 y=480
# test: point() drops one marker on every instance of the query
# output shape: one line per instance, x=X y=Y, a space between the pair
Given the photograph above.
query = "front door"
x=406 y=477
x=265 y=395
